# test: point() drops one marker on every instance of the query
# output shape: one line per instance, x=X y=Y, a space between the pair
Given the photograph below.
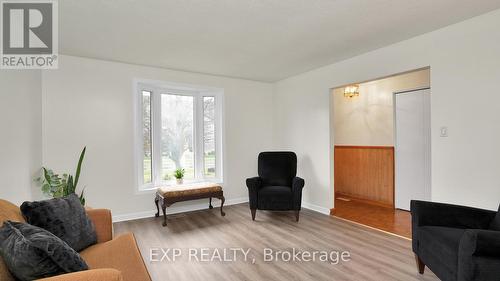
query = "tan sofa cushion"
x=189 y=189
x=106 y=274
x=9 y=211
x=122 y=254
x=4 y=272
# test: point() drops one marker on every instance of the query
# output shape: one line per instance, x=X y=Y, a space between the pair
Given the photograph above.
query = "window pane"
x=177 y=135
x=209 y=136
x=146 y=136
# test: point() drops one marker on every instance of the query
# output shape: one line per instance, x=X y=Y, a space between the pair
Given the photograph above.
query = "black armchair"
x=456 y=242
x=277 y=187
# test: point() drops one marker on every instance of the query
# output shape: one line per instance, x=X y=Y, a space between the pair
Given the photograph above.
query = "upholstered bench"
x=169 y=195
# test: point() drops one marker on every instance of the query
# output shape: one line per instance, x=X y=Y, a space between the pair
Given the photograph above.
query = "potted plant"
x=55 y=186
x=179 y=175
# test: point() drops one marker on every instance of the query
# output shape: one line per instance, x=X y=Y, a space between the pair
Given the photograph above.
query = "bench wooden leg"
x=164 y=209
x=222 y=200
x=157 y=207
x=210 y=203
x=297 y=212
x=253 y=213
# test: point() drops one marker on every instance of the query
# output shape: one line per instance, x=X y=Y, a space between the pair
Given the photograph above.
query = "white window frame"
x=157 y=88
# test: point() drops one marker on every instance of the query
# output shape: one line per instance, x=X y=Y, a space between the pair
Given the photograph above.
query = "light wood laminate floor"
x=374 y=255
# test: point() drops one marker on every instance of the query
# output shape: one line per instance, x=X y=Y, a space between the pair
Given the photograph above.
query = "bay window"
x=179 y=127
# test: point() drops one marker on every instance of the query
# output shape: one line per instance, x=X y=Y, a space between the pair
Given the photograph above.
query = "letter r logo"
x=27 y=28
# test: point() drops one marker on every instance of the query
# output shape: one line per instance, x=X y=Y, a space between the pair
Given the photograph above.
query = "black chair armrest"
x=480 y=242
x=297 y=185
x=440 y=214
x=253 y=185
x=479 y=255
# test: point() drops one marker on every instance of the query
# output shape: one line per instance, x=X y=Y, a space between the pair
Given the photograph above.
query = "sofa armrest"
x=253 y=185
x=103 y=224
x=105 y=274
x=440 y=214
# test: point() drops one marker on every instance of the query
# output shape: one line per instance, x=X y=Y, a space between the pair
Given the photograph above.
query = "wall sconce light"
x=351 y=91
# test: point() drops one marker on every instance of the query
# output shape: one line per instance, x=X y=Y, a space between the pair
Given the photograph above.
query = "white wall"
x=368 y=119
x=465 y=66
x=89 y=102
x=20 y=137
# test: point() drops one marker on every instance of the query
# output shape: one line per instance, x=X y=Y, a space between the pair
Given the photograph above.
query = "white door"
x=413 y=147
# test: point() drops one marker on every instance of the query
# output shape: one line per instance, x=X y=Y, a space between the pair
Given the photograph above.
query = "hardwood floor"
x=374 y=255
x=394 y=221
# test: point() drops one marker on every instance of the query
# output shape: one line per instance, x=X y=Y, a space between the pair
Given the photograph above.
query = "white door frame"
x=429 y=160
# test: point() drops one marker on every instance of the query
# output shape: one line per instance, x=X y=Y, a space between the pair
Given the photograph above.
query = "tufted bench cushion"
x=189 y=189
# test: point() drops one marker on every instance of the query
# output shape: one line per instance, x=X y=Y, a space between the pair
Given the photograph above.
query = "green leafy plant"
x=179 y=173
x=55 y=186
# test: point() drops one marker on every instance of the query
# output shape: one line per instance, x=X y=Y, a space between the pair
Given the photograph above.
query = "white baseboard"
x=202 y=206
x=316 y=208
x=177 y=209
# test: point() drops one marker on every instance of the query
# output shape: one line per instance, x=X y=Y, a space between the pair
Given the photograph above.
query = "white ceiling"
x=264 y=40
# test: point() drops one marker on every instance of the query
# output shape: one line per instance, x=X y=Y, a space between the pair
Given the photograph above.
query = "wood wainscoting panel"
x=365 y=172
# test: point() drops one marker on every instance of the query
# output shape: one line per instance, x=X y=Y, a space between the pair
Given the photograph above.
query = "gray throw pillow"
x=495 y=224
x=65 y=217
x=31 y=252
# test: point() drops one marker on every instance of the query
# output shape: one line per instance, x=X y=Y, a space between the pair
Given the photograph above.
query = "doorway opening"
x=381 y=149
